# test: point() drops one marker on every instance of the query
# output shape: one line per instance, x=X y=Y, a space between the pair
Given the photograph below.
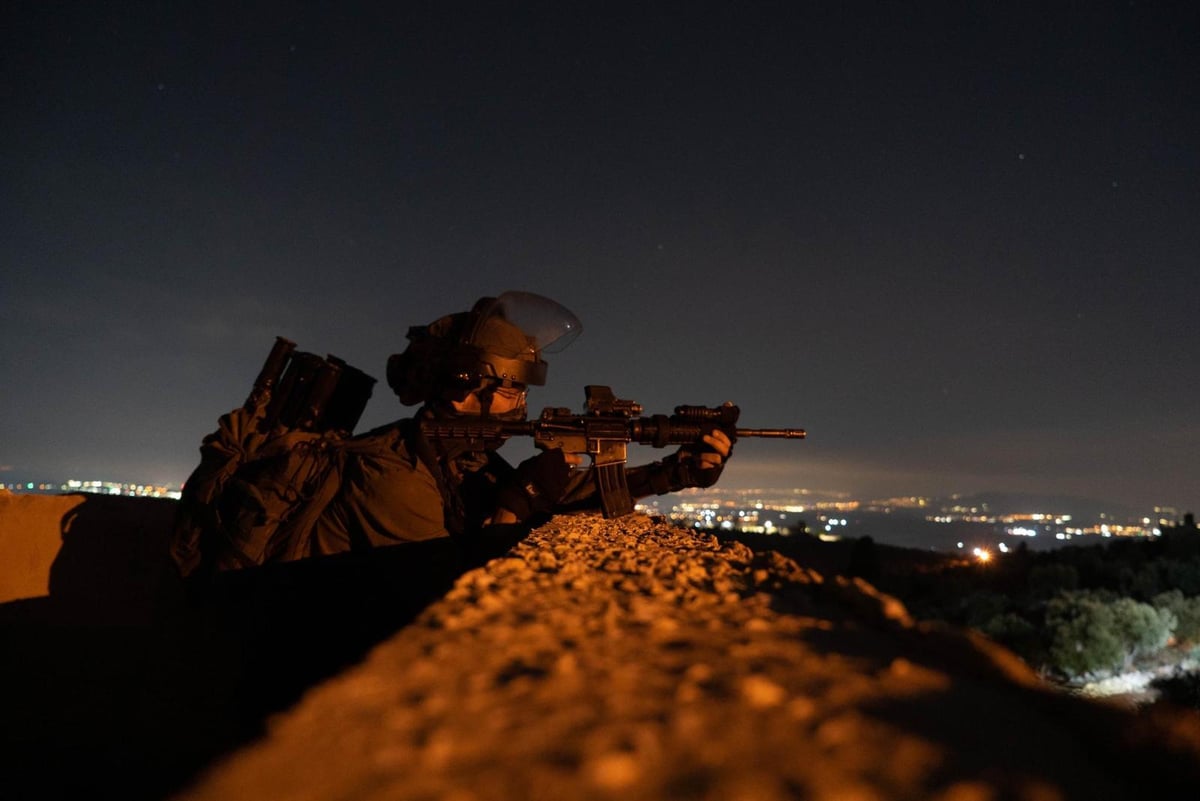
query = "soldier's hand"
x=535 y=486
x=700 y=463
x=710 y=451
x=720 y=444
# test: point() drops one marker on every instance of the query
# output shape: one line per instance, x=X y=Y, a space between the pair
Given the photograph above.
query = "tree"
x=1141 y=628
x=1187 y=614
x=1083 y=637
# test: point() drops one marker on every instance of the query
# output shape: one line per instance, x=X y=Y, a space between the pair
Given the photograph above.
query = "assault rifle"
x=604 y=431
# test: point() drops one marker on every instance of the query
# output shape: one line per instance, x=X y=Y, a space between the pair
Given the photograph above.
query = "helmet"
x=499 y=342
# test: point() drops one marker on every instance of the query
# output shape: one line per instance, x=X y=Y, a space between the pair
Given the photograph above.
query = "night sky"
x=956 y=242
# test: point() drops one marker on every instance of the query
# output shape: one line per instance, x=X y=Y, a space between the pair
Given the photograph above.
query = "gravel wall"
x=629 y=659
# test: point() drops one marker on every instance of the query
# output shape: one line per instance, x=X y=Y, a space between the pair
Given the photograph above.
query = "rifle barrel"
x=773 y=433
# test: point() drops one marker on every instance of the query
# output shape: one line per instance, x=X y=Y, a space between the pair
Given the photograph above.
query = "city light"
x=97 y=487
x=911 y=521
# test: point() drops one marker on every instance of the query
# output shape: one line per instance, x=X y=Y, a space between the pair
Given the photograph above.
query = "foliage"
x=1141 y=628
x=1082 y=636
x=1087 y=634
x=1187 y=614
x=1076 y=611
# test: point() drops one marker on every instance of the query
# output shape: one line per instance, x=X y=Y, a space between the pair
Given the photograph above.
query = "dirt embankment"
x=629 y=659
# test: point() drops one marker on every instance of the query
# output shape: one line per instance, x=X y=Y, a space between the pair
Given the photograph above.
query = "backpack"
x=272 y=466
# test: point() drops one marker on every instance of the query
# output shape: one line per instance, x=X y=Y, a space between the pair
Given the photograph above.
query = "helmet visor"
x=550 y=325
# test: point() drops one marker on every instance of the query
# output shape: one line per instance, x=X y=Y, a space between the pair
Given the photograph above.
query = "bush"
x=1089 y=634
x=1142 y=629
x=1082 y=636
x=1187 y=614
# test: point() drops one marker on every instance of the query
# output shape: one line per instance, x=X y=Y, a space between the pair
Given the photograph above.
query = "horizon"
x=766 y=467
x=1011 y=500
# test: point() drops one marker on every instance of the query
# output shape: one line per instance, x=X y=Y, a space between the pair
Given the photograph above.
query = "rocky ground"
x=629 y=659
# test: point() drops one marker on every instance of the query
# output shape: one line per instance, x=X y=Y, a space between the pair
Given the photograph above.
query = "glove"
x=536 y=485
x=694 y=470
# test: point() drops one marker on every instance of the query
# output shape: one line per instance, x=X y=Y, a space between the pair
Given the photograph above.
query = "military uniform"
x=269 y=491
x=403 y=488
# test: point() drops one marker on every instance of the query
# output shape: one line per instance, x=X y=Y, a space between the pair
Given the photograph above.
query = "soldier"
x=273 y=487
x=478 y=365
